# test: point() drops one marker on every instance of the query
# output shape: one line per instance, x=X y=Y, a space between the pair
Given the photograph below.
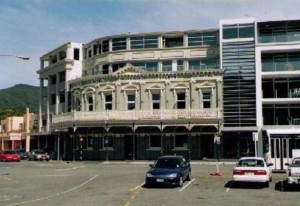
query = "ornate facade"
x=144 y=95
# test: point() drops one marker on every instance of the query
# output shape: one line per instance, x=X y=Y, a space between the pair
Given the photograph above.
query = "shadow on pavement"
x=244 y=185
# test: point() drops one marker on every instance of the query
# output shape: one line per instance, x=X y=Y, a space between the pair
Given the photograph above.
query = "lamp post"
x=17 y=56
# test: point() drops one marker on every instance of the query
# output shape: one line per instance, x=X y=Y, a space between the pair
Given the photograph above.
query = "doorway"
x=129 y=147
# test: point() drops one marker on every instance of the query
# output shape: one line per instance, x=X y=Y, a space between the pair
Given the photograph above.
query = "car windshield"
x=20 y=150
x=9 y=152
x=296 y=161
x=39 y=152
x=250 y=163
x=167 y=163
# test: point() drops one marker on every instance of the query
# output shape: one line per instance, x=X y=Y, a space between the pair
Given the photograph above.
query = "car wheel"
x=267 y=184
x=188 y=178
x=180 y=181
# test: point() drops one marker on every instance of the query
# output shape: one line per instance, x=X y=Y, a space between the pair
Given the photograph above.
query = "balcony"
x=132 y=115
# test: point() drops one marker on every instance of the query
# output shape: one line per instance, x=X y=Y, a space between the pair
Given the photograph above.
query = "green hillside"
x=20 y=97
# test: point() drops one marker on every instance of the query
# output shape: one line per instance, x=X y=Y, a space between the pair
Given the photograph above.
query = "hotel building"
x=139 y=96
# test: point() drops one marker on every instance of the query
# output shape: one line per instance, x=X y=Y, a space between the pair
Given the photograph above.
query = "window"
x=53 y=59
x=105 y=46
x=108 y=102
x=130 y=101
x=62 y=76
x=144 y=42
x=53 y=99
x=108 y=141
x=166 y=66
x=238 y=31
x=119 y=44
x=154 y=141
x=20 y=126
x=151 y=67
x=77 y=103
x=105 y=69
x=181 y=141
x=62 y=55
x=169 y=42
x=200 y=39
x=206 y=98
x=62 y=97
x=155 y=100
x=90 y=103
x=147 y=66
x=52 y=79
x=76 y=54
x=116 y=67
x=205 y=63
x=180 y=66
x=180 y=104
x=90 y=141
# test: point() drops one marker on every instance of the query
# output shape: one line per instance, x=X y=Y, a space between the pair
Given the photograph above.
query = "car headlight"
x=149 y=175
x=173 y=175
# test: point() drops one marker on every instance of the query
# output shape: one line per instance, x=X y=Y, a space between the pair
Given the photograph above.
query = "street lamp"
x=18 y=56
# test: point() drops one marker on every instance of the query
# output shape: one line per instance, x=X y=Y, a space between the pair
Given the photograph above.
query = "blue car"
x=168 y=170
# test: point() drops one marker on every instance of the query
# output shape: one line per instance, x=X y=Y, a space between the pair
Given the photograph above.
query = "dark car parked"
x=22 y=153
x=169 y=170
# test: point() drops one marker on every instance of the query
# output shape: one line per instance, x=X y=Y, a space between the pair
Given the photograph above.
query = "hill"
x=20 y=97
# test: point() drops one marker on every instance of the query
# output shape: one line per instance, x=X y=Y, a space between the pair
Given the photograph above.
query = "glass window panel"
x=180 y=66
x=155 y=140
x=119 y=44
x=230 y=32
x=194 y=64
x=151 y=67
x=246 y=31
x=170 y=42
x=105 y=46
x=181 y=141
x=166 y=66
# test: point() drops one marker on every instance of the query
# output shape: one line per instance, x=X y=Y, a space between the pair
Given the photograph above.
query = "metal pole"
x=133 y=146
x=106 y=141
x=58 y=146
x=161 y=140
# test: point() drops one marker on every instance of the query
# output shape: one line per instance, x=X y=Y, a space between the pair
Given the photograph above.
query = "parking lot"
x=121 y=184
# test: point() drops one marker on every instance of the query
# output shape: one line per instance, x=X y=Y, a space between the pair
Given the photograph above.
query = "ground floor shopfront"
x=126 y=143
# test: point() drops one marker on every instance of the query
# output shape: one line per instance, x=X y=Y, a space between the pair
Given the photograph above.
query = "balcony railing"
x=188 y=114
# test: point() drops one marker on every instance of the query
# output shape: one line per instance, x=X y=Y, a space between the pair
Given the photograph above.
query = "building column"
x=27 y=145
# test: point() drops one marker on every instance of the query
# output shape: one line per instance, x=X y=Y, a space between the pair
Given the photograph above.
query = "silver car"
x=38 y=155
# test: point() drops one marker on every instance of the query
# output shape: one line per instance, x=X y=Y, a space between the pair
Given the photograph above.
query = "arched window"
x=89 y=99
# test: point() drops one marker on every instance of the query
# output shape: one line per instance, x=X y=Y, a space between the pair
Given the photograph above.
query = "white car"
x=252 y=169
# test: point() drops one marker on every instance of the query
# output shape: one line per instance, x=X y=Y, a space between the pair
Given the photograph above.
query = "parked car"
x=22 y=153
x=168 y=170
x=252 y=169
x=293 y=173
x=9 y=156
x=38 y=154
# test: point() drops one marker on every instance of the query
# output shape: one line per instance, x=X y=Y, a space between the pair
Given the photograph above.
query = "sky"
x=35 y=27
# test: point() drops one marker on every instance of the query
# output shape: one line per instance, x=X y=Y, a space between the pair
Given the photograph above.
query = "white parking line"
x=57 y=194
x=227 y=190
x=71 y=168
x=186 y=185
x=137 y=187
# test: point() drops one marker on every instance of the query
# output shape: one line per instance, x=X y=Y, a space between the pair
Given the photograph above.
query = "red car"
x=9 y=156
